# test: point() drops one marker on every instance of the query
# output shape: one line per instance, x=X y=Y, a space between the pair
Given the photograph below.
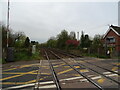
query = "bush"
x=25 y=54
x=22 y=55
x=36 y=56
x=2 y=61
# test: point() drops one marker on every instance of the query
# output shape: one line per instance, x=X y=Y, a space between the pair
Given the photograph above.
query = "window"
x=110 y=39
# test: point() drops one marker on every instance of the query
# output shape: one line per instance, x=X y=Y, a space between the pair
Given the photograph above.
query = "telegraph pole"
x=8 y=23
x=10 y=50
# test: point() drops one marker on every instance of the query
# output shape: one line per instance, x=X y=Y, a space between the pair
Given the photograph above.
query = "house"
x=111 y=40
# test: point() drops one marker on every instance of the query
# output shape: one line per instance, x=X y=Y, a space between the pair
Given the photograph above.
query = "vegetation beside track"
x=1 y=61
x=19 y=46
x=96 y=55
x=87 y=46
x=26 y=55
x=78 y=52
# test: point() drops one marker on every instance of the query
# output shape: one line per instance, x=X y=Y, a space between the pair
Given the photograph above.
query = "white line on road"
x=73 y=78
x=47 y=86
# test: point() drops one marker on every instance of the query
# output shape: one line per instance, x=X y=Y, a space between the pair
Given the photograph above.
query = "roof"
x=115 y=29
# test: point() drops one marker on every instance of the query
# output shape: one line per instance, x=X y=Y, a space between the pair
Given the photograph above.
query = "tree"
x=52 y=42
x=27 y=42
x=97 y=41
x=72 y=43
x=62 y=38
x=82 y=39
x=19 y=39
x=97 y=44
x=4 y=36
x=87 y=41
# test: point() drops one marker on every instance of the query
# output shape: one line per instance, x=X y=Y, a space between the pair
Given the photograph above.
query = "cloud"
x=41 y=20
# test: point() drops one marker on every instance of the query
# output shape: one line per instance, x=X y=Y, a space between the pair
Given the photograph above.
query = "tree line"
x=21 y=44
x=66 y=41
x=17 y=39
x=62 y=41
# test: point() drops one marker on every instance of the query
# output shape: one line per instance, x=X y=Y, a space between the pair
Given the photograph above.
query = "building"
x=112 y=40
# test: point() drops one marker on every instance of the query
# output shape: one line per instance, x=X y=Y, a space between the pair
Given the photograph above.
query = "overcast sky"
x=41 y=20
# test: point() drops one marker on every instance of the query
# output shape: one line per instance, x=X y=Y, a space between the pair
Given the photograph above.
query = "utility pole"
x=10 y=50
x=8 y=23
x=118 y=21
x=78 y=36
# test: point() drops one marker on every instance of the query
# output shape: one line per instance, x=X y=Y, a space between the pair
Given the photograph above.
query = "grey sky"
x=41 y=20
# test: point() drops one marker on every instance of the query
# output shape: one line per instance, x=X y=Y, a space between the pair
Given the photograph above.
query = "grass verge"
x=24 y=55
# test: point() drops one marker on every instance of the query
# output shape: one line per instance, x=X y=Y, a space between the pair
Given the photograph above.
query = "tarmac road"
x=24 y=73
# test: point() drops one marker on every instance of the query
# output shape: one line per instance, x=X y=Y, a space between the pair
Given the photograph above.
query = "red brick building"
x=112 y=40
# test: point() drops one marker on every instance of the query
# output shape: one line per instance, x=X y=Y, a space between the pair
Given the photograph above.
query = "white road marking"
x=115 y=71
x=112 y=75
x=97 y=77
x=48 y=86
x=71 y=78
x=21 y=86
x=49 y=82
x=83 y=80
x=106 y=72
x=46 y=82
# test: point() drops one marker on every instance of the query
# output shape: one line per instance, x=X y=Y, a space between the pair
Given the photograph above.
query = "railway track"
x=89 y=79
x=55 y=78
x=95 y=66
x=49 y=54
x=97 y=71
x=87 y=61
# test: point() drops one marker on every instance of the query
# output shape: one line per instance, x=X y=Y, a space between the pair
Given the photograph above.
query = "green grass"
x=24 y=55
x=2 y=61
x=37 y=56
x=21 y=56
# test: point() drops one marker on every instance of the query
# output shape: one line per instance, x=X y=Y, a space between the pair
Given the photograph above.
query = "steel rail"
x=111 y=64
x=38 y=76
x=100 y=67
x=56 y=81
x=89 y=79
x=94 y=64
x=108 y=63
x=100 y=73
x=102 y=61
x=73 y=55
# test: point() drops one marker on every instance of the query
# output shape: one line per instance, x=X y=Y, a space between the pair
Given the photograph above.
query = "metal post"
x=8 y=24
x=78 y=36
